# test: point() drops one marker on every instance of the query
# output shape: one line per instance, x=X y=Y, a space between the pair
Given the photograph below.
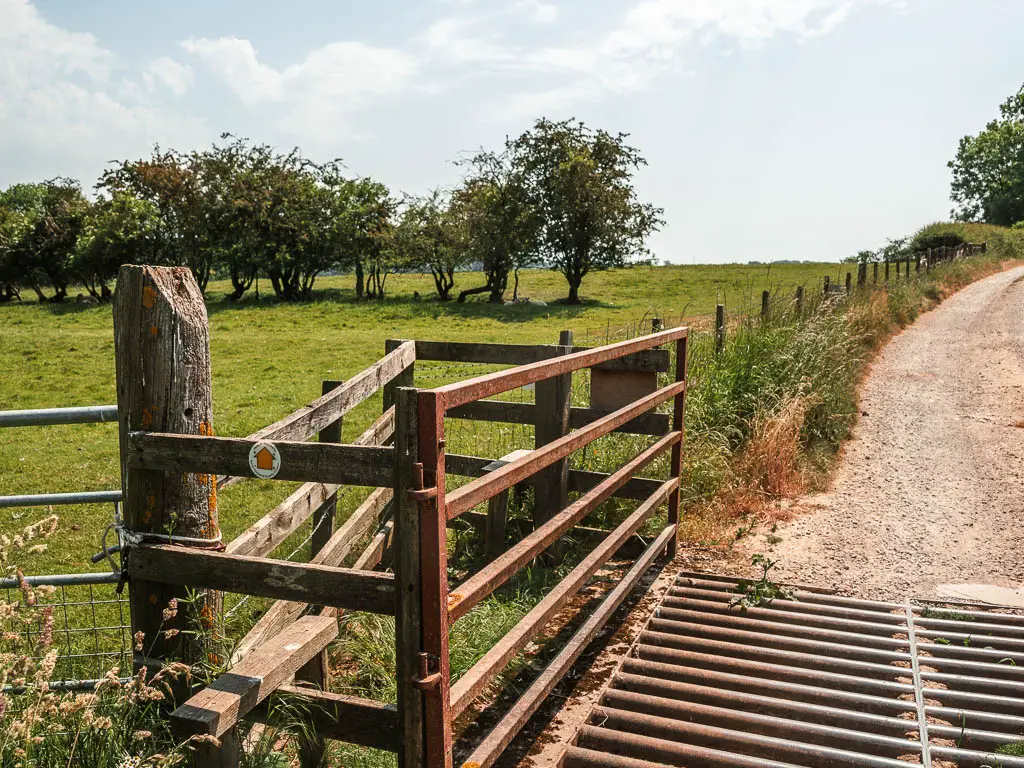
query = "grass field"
x=269 y=358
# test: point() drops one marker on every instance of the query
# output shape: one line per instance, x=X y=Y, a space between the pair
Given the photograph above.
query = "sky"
x=773 y=129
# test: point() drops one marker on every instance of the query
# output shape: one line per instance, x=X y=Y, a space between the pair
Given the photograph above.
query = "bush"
x=937 y=236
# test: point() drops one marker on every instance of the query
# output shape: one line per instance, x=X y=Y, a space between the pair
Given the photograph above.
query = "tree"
x=988 y=170
x=170 y=181
x=116 y=231
x=581 y=182
x=40 y=228
x=364 y=231
x=432 y=234
x=497 y=219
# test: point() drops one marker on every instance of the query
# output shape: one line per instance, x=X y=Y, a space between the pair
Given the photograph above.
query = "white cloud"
x=165 y=72
x=66 y=104
x=537 y=11
x=320 y=94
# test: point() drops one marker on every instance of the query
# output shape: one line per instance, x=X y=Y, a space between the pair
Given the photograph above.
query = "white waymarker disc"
x=264 y=460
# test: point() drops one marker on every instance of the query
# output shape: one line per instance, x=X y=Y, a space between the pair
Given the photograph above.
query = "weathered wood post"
x=766 y=297
x=553 y=398
x=719 y=327
x=162 y=363
x=874 y=273
x=404 y=379
x=862 y=274
x=408 y=592
x=887 y=270
x=849 y=282
x=826 y=284
x=799 y=300
x=917 y=262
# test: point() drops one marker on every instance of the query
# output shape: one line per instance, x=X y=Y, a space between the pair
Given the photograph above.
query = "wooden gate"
x=173 y=465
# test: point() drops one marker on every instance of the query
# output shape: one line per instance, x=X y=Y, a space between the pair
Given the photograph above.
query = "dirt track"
x=931 y=488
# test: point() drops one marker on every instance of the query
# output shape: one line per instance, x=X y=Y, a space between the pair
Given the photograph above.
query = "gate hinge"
x=429 y=672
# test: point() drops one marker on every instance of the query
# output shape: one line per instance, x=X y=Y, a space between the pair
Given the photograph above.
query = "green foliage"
x=763 y=591
x=988 y=170
x=39 y=226
x=431 y=236
x=937 y=236
x=501 y=225
x=580 y=181
x=119 y=230
x=1013 y=750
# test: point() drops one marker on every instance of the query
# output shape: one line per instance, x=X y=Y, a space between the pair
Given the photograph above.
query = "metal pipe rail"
x=44 y=417
x=60 y=499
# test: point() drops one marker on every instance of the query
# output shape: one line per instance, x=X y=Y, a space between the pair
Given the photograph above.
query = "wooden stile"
x=319 y=462
x=220 y=705
x=299 y=582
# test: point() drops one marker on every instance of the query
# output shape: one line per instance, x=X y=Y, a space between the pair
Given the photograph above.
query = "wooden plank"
x=468 y=496
x=551 y=484
x=522 y=413
x=222 y=703
x=523 y=354
x=405 y=378
x=266 y=534
x=496 y=525
x=585 y=535
x=579 y=480
x=472 y=684
x=283 y=612
x=350 y=719
x=320 y=462
x=494 y=574
x=495 y=742
x=323 y=518
x=299 y=582
x=310 y=419
x=408 y=593
x=610 y=390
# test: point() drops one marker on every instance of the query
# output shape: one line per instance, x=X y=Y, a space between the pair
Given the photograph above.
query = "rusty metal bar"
x=676 y=717
x=684 y=754
x=480 y=490
x=652 y=694
x=939 y=654
x=694 y=629
x=985 y=702
x=799 y=606
x=774 y=671
x=979 y=629
x=1007 y=643
x=992 y=686
x=973 y=739
x=659 y=742
x=782 y=616
x=761 y=625
x=437 y=719
x=498 y=571
x=989 y=721
x=765 y=679
x=491 y=747
x=759 y=653
x=803 y=594
x=460 y=393
x=964 y=758
x=470 y=685
x=678 y=422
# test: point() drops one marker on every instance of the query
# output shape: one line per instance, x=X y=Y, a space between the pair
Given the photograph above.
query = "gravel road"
x=931 y=488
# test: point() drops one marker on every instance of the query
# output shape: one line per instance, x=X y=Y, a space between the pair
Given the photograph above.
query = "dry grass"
x=771 y=461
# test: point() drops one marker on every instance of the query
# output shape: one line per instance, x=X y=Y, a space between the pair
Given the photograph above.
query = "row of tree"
x=559 y=196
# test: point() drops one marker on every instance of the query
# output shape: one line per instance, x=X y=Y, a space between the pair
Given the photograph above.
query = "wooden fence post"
x=886 y=271
x=799 y=300
x=849 y=282
x=862 y=274
x=317 y=671
x=826 y=285
x=553 y=398
x=408 y=592
x=917 y=262
x=719 y=327
x=162 y=363
x=766 y=297
x=874 y=273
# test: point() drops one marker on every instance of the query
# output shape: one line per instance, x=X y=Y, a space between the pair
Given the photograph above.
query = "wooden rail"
x=171 y=466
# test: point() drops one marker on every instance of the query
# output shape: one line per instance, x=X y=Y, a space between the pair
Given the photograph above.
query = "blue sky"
x=774 y=129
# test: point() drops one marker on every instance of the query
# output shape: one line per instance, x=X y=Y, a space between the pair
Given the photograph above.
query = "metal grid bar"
x=820 y=681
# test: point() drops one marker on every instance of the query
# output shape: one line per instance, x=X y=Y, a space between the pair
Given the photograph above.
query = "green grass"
x=269 y=358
